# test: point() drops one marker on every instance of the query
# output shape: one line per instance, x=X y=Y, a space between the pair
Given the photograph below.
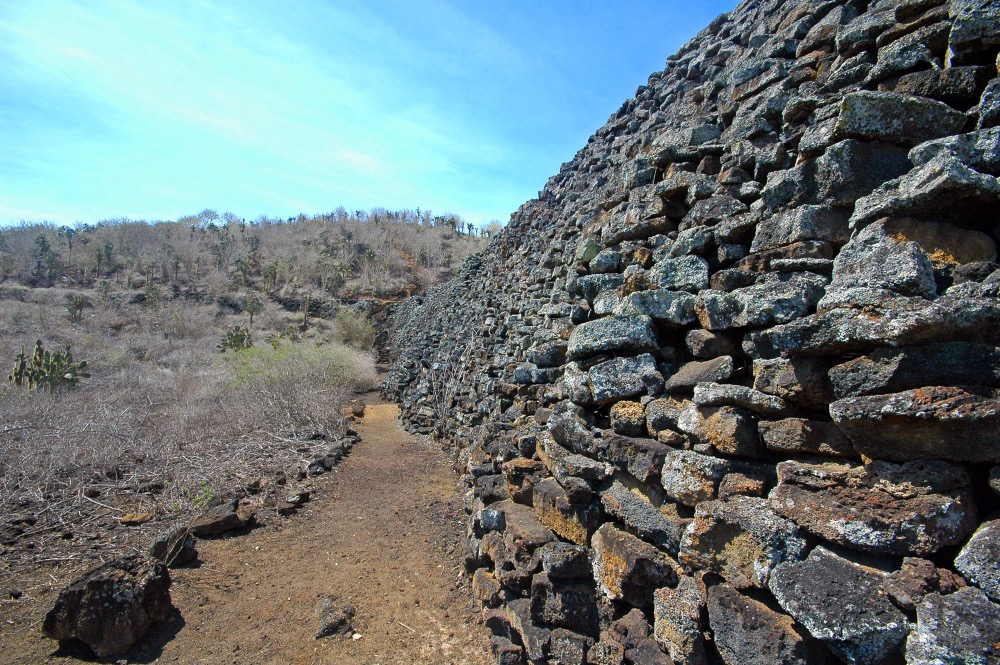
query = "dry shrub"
x=354 y=329
x=162 y=408
x=212 y=428
x=291 y=388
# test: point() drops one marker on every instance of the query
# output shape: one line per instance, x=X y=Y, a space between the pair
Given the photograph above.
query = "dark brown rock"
x=895 y=118
x=690 y=478
x=727 y=394
x=958 y=86
x=621 y=378
x=486 y=588
x=491 y=488
x=334 y=617
x=520 y=476
x=505 y=651
x=911 y=509
x=641 y=458
x=973 y=30
x=729 y=430
x=647 y=652
x=878 y=258
x=951 y=423
x=514 y=552
x=564 y=603
x=693 y=373
x=569 y=648
x=763 y=304
x=221 y=519
x=111 y=607
x=747 y=632
x=978 y=559
x=963 y=627
x=763 y=261
x=565 y=561
x=918 y=577
x=606 y=652
x=629 y=569
x=174 y=547
x=640 y=517
x=942 y=189
x=631 y=334
x=893 y=370
x=804 y=223
x=663 y=413
x=536 y=639
x=670 y=309
x=977 y=150
x=707 y=344
x=801 y=381
x=875 y=319
x=741 y=484
x=846 y=170
x=800 y=436
x=628 y=418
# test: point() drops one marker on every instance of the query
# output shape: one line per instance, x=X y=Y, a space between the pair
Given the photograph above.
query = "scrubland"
x=168 y=423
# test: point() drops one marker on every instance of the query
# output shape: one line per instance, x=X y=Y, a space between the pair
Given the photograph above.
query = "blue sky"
x=157 y=109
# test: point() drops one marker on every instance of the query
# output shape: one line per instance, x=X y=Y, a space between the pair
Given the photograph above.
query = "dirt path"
x=384 y=535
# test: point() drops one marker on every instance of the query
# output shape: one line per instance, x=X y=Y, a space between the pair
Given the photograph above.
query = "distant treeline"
x=345 y=254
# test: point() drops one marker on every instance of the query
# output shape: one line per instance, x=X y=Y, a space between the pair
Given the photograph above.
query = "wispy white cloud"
x=158 y=109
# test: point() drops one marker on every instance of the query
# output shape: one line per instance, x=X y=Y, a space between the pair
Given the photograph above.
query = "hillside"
x=727 y=390
x=378 y=253
x=220 y=358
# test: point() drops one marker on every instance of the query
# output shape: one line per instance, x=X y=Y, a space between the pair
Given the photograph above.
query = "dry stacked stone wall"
x=728 y=390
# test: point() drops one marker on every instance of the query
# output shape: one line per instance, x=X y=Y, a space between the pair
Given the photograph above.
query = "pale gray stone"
x=842 y=604
x=978 y=559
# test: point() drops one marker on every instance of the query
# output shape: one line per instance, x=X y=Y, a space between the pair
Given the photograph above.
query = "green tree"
x=75 y=305
x=270 y=276
x=153 y=297
x=222 y=252
x=84 y=240
x=68 y=233
x=252 y=304
x=253 y=246
x=52 y=265
x=4 y=251
x=104 y=254
x=39 y=251
x=306 y=306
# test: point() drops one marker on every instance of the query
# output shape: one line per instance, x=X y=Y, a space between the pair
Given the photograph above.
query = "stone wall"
x=728 y=390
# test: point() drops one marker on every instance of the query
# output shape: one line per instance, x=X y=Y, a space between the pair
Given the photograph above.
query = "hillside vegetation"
x=220 y=356
x=341 y=254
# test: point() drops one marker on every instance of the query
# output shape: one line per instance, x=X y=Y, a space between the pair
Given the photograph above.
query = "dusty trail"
x=384 y=535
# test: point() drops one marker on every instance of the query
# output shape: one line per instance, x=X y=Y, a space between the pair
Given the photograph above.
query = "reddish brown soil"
x=383 y=533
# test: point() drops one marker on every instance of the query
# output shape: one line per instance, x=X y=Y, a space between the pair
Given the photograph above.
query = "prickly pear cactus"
x=47 y=370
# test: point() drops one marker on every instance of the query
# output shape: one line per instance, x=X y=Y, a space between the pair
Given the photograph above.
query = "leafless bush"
x=341 y=253
x=446 y=375
x=165 y=422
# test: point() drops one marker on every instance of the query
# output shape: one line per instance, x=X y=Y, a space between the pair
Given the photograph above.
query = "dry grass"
x=165 y=423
